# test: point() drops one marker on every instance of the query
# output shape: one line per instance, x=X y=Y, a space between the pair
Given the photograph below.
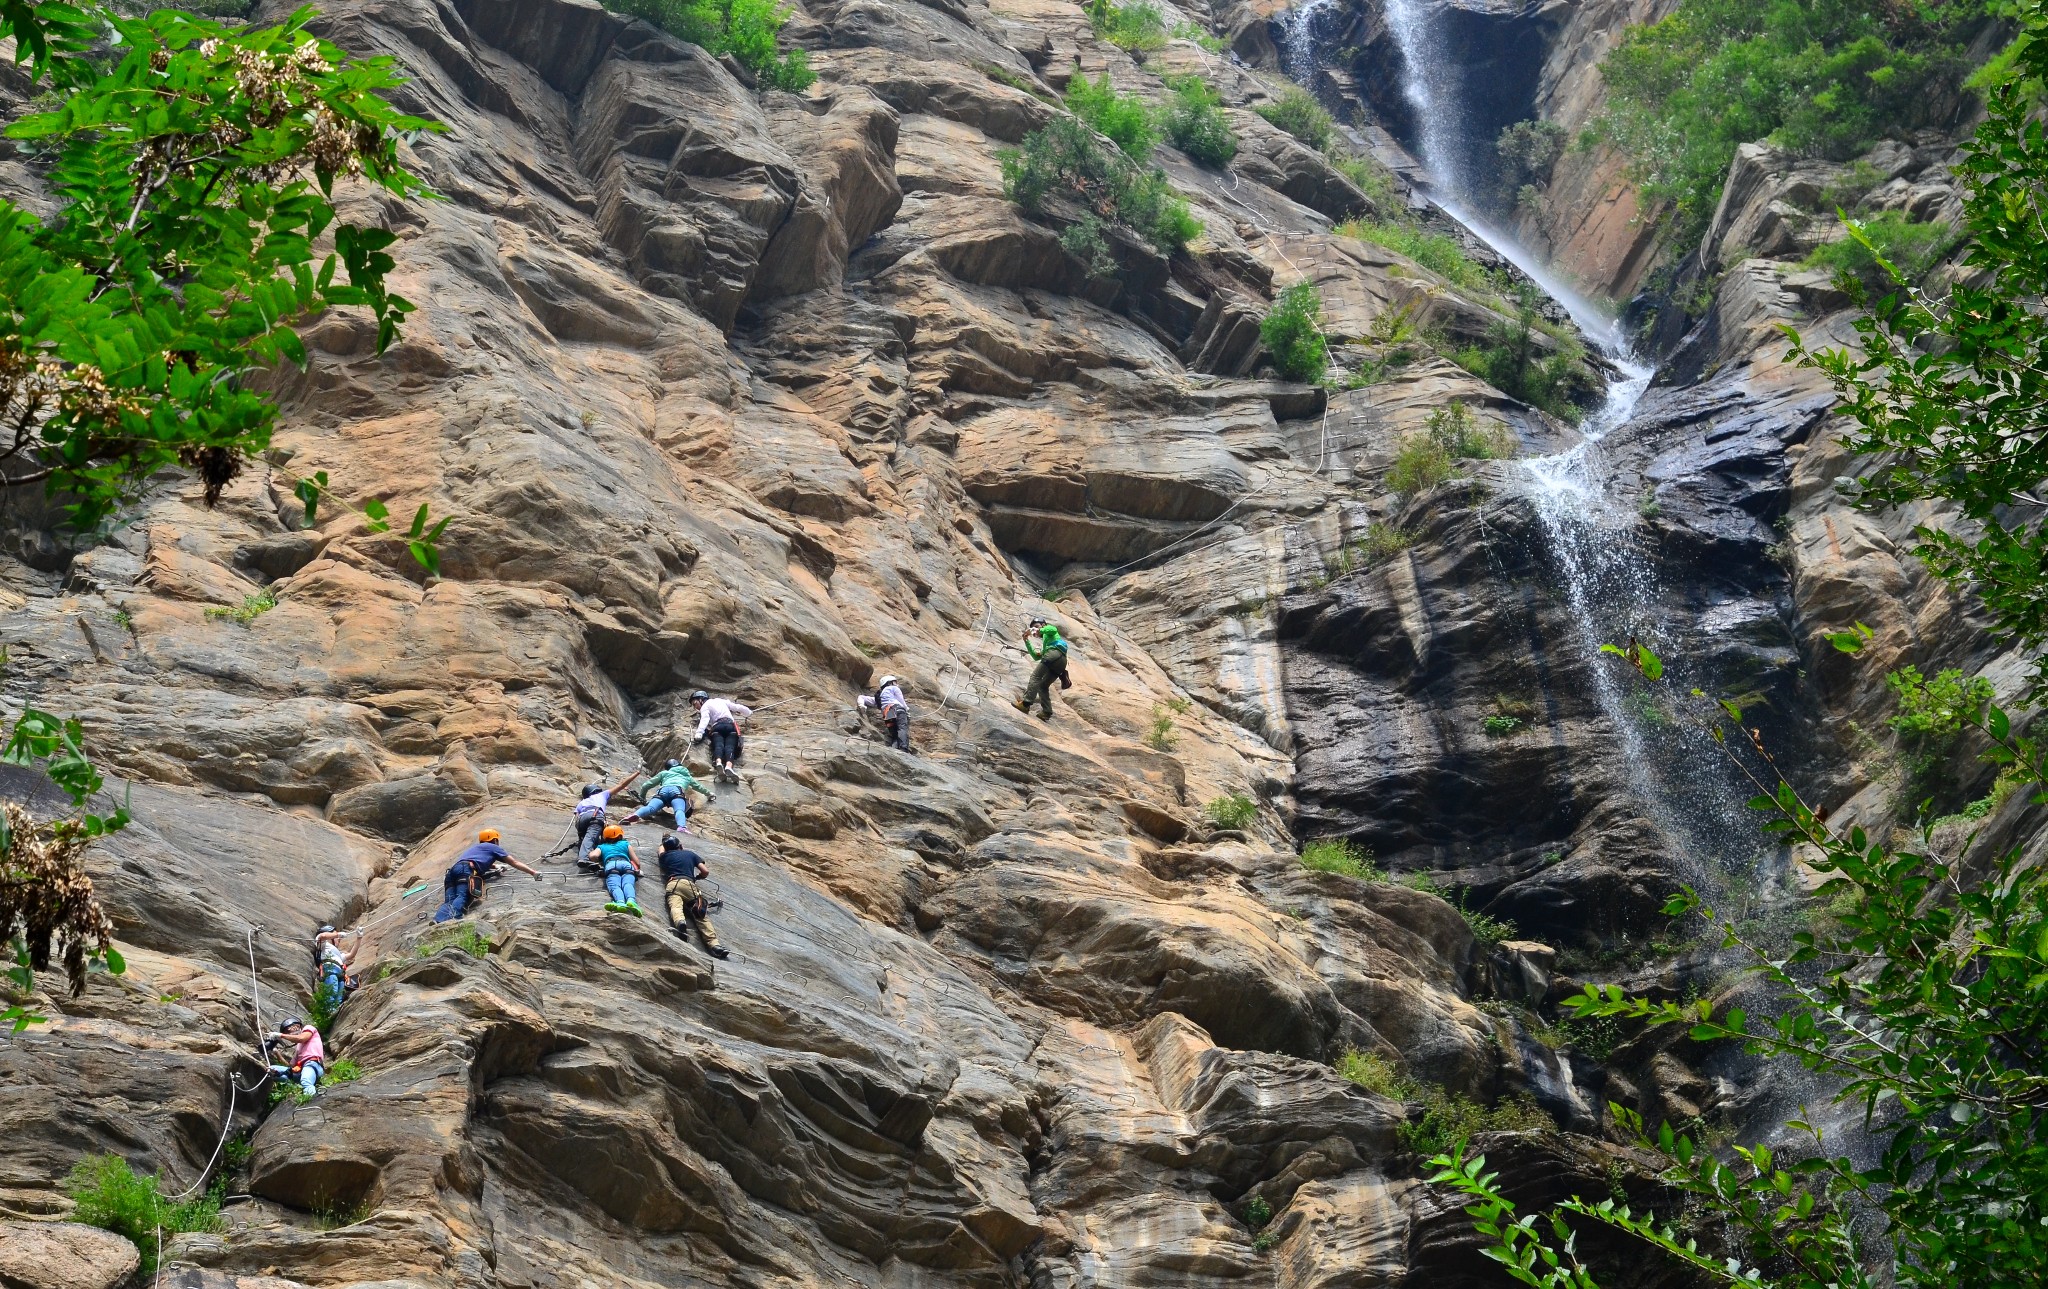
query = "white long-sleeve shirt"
x=891 y=696
x=716 y=710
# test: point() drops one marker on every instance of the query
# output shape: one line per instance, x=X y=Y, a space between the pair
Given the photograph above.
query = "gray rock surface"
x=773 y=394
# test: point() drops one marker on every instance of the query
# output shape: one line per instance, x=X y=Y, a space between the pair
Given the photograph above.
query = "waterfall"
x=1609 y=582
x=1298 y=40
x=1430 y=84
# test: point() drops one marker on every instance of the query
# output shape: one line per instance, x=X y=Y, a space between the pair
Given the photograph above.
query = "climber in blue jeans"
x=463 y=885
x=669 y=790
x=621 y=870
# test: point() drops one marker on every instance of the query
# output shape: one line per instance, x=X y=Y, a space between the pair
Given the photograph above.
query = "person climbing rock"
x=588 y=817
x=1042 y=640
x=670 y=790
x=463 y=885
x=719 y=720
x=309 y=1056
x=887 y=700
x=331 y=965
x=621 y=868
x=681 y=870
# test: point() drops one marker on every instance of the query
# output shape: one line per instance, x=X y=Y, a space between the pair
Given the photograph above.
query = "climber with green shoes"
x=1042 y=640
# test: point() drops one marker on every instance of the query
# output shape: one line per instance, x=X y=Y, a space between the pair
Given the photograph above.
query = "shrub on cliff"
x=1293 y=334
x=1138 y=28
x=1124 y=119
x=1297 y=112
x=1196 y=124
x=1065 y=160
x=112 y=1196
x=1821 y=77
x=746 y=29
x=1891 y=236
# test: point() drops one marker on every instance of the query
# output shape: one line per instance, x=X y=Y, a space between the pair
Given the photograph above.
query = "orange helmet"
x=488 y=834
x=612 y=832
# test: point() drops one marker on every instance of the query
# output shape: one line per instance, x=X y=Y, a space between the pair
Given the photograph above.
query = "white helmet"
x=885 y=682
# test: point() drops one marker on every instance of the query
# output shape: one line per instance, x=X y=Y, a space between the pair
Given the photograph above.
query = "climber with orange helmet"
x=463 y=885
x=614 y=856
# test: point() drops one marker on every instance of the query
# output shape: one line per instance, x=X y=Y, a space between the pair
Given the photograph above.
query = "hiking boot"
x=1020 y=704
x=721 y=954
x=613 y=906
x=682 y=933
x=633 y=907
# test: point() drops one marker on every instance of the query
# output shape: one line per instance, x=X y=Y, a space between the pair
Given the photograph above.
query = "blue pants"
x=621 y=885
x=454 y=899
x=333 y=983
x=309 y=1075
x=670 y=798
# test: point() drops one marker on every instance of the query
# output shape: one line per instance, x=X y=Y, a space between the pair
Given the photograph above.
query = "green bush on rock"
x=1293 y=334
x=1065 y=160
x=746 y=29
x=1195 y=122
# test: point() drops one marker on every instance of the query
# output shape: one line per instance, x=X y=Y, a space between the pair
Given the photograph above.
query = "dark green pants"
x=1043 y=677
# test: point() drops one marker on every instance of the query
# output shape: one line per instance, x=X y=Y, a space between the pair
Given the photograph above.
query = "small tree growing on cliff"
x=746 y=29
x=1064 y=160
x=1293 y=334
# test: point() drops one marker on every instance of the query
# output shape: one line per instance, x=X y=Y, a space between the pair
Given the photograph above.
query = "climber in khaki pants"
x=681 y=870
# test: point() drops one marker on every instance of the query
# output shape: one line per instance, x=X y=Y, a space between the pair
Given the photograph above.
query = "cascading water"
x=1610 y=584
x=1429 y=83
x=1298 y=40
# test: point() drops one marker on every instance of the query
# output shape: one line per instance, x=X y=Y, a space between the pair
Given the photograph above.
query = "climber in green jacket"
x=669 y=790
x=1042 y=640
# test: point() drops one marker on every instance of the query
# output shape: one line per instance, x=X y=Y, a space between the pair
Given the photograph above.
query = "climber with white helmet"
x=331 y=967
x=1044 y=643
x=887 y=701
x=719 y=720
x=669 y=789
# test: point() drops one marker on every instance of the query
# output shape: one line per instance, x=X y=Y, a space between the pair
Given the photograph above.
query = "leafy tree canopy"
x=1822 y=77
x=196 y=165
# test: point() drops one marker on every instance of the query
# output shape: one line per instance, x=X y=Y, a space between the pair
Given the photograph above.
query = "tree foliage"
x=47 y=906
x=1821 y=77
x=1293 y=334
x=1949 y=396
x=746 y=29
x=1064 y=160
x=196 y=167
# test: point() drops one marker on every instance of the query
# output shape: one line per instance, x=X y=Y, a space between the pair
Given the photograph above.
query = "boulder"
x=63 y=1255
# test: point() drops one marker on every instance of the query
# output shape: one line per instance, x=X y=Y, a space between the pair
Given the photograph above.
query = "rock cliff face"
x=772 y=394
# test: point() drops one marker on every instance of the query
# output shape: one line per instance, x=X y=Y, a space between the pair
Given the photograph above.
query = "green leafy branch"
x=422 y=539
x=196 y=164
x=45 y=897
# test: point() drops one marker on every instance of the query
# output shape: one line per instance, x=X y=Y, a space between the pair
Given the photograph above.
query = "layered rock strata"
x=772 y=394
